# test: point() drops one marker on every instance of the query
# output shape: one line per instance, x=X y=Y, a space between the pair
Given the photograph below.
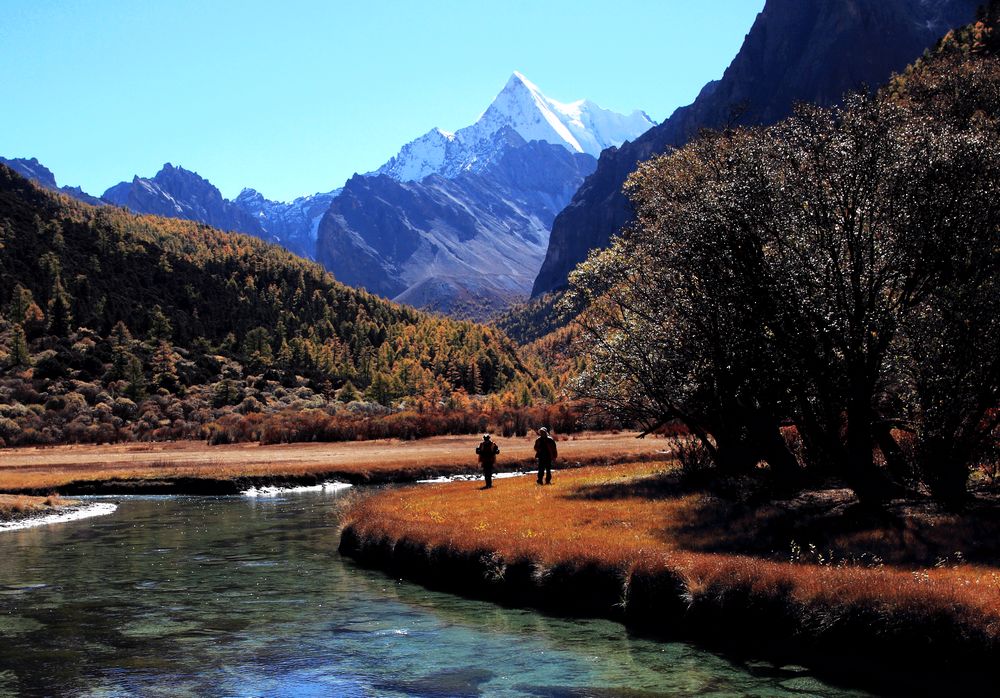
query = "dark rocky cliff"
x=796 y=51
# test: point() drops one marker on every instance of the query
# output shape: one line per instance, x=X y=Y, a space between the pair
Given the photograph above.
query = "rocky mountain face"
x=34 y=170
x=178 y=193
x=465 y=245
x=459 y=222
x=797 y=51
x=293 y=225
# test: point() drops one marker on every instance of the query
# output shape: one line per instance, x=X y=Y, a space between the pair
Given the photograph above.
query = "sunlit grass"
x=624 y=517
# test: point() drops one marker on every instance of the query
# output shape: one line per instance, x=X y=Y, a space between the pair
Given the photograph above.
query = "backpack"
x=488 y=455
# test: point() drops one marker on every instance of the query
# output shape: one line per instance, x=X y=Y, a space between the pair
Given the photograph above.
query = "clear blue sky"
x=293 y=97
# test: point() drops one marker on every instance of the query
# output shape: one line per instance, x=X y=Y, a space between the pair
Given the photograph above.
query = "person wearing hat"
x=487 y=452
x=545 y=454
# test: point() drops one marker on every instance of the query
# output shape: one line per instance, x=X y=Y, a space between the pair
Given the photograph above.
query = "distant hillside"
x=797 y=50
x=535 y=318
x=101 y=305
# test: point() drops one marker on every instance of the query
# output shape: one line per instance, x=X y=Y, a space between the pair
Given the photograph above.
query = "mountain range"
x=468 y=222
x=455 y=222
x=292 y=225
x=177 y=193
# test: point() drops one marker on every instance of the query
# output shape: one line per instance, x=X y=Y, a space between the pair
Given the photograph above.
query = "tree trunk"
x=860 y=472
x=945 y=472
x=734 y=456
x=770 y=446
x=825 y=452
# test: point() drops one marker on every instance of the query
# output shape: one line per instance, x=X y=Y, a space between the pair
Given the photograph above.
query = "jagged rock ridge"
x=178 y=193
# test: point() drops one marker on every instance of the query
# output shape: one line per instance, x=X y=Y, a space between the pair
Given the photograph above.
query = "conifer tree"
x=164 y=367
x=21 y=300
x=19 y=353
x=160 y=328
x=285 y=360
x=135 y=379
x=348 y=393
x=60 y=316
x=257 y=349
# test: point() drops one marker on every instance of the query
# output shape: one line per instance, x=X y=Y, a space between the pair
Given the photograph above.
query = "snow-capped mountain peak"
x=580 y=127
x=523 y=107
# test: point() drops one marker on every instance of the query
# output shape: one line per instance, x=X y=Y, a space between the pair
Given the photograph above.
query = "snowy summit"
x=580 y=127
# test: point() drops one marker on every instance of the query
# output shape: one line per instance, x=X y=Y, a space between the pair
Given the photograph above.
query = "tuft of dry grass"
x=24 y=469
x=19 y=505
x=639 y=521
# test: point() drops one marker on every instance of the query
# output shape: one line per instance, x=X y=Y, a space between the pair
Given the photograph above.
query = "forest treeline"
x=821 y=296
x=118 y=326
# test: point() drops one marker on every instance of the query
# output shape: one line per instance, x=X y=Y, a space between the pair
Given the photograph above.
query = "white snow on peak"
x=420 y=158
x=580 y=127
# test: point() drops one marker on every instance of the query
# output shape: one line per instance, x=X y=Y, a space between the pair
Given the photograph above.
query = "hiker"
x=488 y=452
x=545 y=453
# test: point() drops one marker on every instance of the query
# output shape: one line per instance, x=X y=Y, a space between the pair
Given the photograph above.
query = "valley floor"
x=909 y=592
x=196 y=468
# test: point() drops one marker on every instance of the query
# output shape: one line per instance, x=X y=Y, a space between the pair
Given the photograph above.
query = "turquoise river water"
x=234 y=596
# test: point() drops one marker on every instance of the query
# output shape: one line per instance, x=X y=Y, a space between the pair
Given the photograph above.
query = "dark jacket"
x=487 y=452
x=545 y=449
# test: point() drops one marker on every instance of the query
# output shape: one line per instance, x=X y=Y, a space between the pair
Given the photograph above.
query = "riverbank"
x=20 y=507
x=882 y=600
x=189 y=467
x=22 y=511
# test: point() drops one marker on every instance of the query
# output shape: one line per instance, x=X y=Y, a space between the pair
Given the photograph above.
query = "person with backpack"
x=545 y=454
x=488 y=452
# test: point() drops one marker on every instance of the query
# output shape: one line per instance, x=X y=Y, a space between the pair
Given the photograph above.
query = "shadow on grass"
x=661 y=486
x=820 y=526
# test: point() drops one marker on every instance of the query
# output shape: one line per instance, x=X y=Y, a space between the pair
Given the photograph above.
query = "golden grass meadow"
x=53 y=467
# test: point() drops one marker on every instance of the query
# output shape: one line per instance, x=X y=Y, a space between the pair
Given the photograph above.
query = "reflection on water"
x=244 y=597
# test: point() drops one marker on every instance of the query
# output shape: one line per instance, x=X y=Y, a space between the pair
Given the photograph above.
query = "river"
x=238 y=596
